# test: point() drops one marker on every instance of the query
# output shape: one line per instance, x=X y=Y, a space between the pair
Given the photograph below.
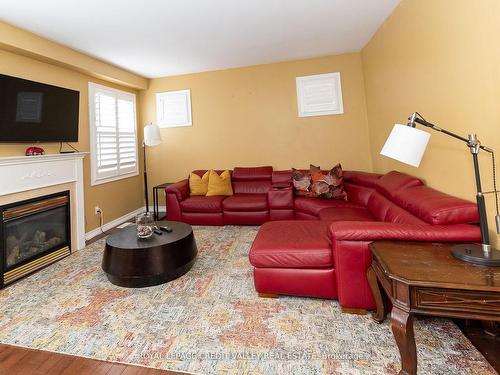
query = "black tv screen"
x=35 y=112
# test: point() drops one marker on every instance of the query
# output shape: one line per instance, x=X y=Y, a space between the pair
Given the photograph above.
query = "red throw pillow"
x=328 y=185
x=301 y=182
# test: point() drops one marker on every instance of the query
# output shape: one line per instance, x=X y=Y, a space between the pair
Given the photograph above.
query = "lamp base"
x=473 y=253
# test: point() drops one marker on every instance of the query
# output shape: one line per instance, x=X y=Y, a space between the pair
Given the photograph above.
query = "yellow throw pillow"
x=219 y=185
x=198 y=185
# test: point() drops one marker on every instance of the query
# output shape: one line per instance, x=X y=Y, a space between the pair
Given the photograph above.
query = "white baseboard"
x=113 y=223
x=160 y=208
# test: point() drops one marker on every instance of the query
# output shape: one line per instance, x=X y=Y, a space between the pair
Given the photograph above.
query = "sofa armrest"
x=180 y=189
x=374 y=231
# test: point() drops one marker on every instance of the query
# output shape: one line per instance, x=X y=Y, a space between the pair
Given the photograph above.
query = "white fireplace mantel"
x=24 y=173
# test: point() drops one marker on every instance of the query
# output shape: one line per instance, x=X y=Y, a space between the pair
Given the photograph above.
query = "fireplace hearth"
x=33 y=234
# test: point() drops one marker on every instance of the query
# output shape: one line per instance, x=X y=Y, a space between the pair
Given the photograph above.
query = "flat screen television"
x=35 y=112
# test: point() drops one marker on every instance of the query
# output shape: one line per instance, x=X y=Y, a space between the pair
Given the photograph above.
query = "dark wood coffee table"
x=424 y=278
x=134 y=263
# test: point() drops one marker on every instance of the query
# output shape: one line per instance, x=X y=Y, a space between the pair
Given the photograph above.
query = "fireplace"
x=33 y=234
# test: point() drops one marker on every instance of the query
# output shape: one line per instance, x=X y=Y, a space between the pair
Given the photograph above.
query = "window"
x=113 y=136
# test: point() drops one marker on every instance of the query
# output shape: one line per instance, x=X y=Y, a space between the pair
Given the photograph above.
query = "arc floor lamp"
x=407 y=144
x=152 y=138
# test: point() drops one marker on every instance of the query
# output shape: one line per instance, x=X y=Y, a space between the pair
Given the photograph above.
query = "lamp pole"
x=482 y=255
x=145 y=175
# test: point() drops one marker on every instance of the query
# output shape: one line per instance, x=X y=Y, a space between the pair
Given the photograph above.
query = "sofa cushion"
x=390 y=183
x=345 y=214
x=313 y=206
x=435 y=207
x=292 y=244
x=245 y=202
x=202 y=204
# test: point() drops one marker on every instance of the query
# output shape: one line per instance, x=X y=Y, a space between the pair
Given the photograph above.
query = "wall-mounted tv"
x=35 y=112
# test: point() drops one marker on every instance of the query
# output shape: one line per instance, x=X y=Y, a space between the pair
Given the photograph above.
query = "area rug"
x=210 y=321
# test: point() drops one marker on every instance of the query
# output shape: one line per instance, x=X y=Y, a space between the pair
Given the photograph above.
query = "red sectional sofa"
x=317 y=247
x=258 y=197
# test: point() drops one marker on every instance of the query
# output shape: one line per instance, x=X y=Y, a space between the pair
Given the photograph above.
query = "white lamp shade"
x=152 y=135
x=406 y=144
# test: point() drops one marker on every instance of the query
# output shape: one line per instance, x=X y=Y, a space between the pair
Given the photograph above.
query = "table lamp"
x=407 y=144
x=152 y=138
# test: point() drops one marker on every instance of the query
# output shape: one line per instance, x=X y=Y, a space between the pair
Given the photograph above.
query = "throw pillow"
x=329 y=185
x=219 y=185
x=301 y=182
x=198 y=185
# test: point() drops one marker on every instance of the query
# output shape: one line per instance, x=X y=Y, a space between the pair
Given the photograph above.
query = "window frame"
x=93 y=88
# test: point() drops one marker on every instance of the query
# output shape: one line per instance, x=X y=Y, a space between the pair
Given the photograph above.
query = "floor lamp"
x=152 y=138
x=407 y=144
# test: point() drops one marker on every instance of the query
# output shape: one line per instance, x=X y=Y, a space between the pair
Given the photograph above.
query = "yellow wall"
x=115 y=198
x=248 y=117
x=24 y=43
x=442 y=59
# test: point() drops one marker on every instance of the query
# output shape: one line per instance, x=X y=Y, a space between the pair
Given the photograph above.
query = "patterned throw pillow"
x=301 y=182
x=329 y=185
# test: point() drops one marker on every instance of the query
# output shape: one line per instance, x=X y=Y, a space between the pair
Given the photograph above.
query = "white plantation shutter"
x=113 y=134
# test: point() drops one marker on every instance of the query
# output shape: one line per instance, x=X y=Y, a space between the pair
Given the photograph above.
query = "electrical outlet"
x=97 y=210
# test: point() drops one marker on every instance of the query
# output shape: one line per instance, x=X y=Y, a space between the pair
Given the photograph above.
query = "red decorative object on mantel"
x=32 y=151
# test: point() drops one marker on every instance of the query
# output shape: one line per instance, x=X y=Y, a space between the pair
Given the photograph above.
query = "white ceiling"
x=157 y=38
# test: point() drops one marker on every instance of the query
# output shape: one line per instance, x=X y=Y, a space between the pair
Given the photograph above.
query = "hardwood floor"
x=20 y=361
x=487 y=344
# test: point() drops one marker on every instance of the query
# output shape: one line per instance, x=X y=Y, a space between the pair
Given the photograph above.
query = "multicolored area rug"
x=211 y=321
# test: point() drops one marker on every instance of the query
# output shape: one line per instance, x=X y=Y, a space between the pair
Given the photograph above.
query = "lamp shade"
x=152 y=135
x=406 y=144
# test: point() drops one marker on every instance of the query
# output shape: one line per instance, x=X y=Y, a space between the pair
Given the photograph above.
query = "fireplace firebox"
x=33 y=234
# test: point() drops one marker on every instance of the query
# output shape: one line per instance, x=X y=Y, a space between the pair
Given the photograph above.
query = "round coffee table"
x=134 y=263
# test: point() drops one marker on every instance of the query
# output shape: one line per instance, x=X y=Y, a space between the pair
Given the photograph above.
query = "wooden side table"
x=156 y=208
x=424 y=278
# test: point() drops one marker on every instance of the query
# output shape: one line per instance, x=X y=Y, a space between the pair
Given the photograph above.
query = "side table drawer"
x=449 y=301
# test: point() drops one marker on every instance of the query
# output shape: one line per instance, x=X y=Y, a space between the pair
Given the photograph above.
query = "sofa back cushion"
x=358 y=194
x=392 y=182
x=252 y=173
x=361 y=178
x=282 y=178
x=435 y=207
x=385 y=210
x=252 y=180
